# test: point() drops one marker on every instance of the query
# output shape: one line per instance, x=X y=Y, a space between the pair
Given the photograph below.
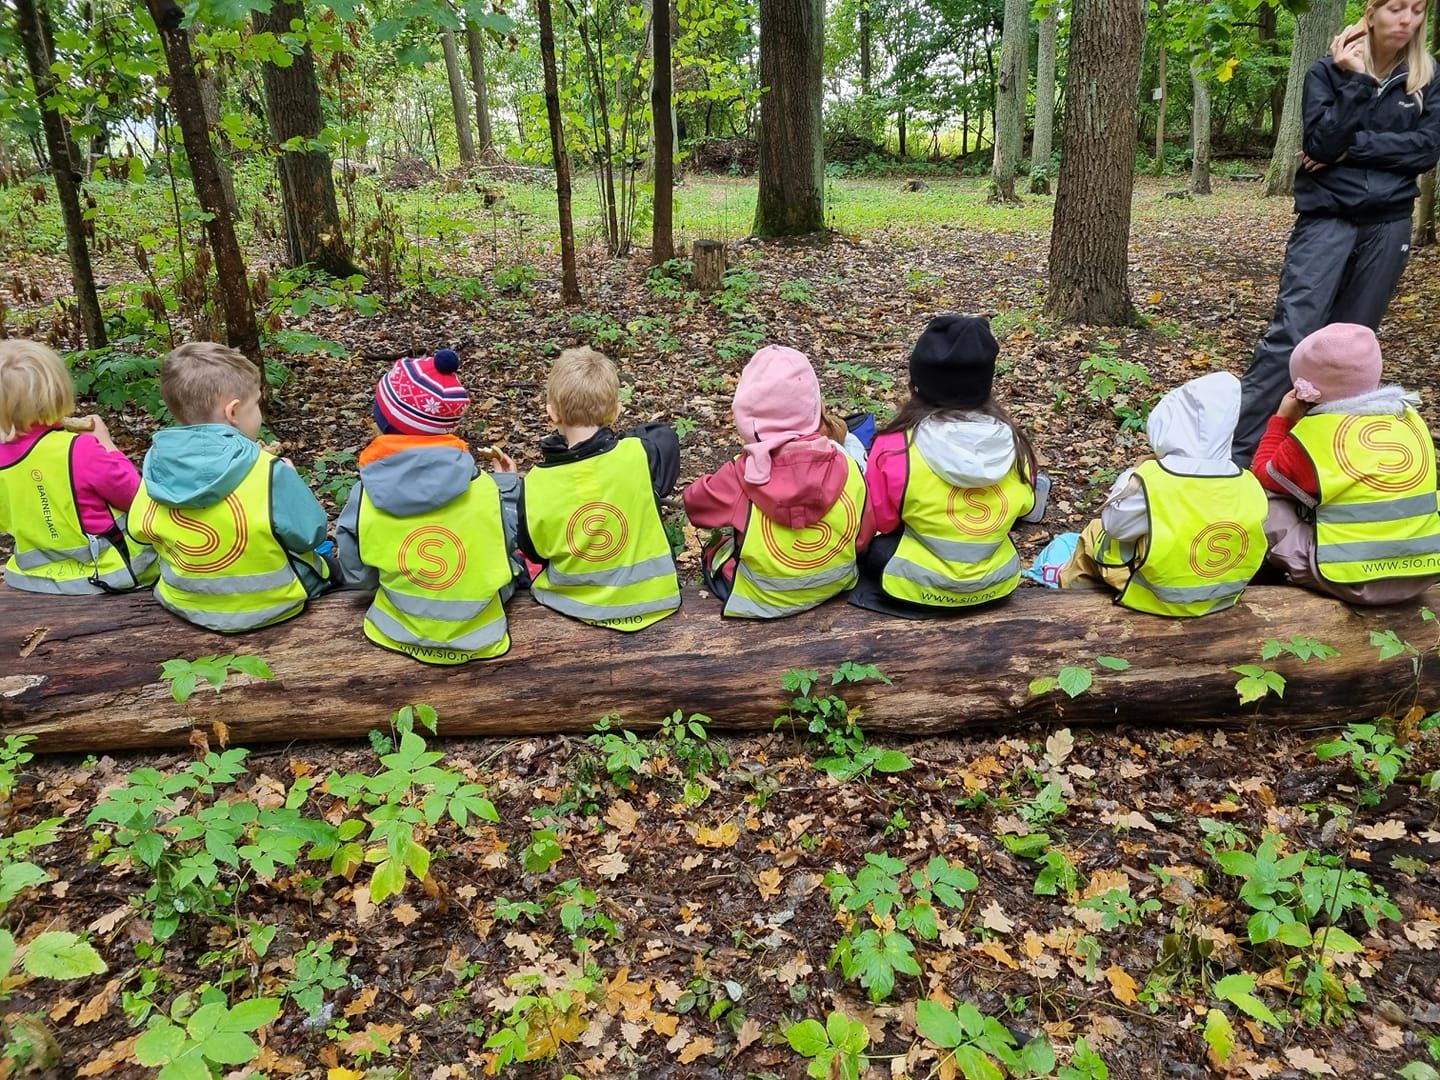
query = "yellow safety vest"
x=595 y=523
x=441 y=573
x=53 y=552
x=783 y=571
x=221 y=566
x=1206 y=541
x=955 y=550
x=1377 y=515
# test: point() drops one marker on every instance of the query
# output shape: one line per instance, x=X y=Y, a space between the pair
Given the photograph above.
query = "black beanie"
x=953 y=363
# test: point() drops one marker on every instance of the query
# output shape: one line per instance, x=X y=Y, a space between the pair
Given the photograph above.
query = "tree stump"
x=709 y=264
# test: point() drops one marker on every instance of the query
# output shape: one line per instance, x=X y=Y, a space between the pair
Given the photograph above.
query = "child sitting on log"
x=1351 y=466
x=1183 y=532
x=589 y=513
x=793 y=504
x=947 y=480
x=235 y=527
x=64 y=487
x=424 y=527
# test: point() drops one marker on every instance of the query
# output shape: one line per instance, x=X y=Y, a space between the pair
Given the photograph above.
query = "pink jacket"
x=101 y=479
x=806 y=478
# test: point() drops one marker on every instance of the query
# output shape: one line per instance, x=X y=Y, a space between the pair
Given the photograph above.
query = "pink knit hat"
x=776 y=402
x=1338 y=361
x=421 y=396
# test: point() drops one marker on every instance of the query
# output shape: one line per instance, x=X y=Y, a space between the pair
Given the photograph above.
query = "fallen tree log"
x=84 y=674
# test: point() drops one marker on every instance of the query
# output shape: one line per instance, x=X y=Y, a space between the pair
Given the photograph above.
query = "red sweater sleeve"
x=103 y=478
x=885 y=480
x=1279 y=449
x=718 y=500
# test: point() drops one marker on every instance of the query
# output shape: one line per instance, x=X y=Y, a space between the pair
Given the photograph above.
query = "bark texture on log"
x=709 y=264
x=90 y=679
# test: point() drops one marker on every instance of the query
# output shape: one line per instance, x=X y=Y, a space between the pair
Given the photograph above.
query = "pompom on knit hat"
x=1338 y=361
x=421 y=396
x=777 y=401
x=953 y=363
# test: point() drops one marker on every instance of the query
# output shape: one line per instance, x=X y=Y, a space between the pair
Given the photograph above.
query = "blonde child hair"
x=583 y=389
x=35 y=388
x=199 y=377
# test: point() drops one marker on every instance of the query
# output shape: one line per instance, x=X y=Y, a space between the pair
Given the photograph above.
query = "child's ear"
x=550 y=412
x=619 y=408
x=228 y=413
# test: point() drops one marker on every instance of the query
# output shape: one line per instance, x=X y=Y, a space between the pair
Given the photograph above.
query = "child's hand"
x=101 y=432
x=503 y=463
x=1291 y=408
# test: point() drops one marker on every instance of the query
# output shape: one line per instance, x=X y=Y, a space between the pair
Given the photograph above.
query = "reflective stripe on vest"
x=53 y=553
x=221 y=566
x=782 y=571
x=1377 y=515
x=955 y=549
x=595 y=523
x=1206 y=541
x=441 y=572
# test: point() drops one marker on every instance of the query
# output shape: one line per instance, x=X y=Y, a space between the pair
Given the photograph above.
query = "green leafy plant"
x=836 y=1049
x=13 y=758
x=1085 y=1064
x=876 y=955
x=797 y=291
x=402 y=804
x=1058 y=874
x=1117 y=383
x=185 y=675
x=1374 y=755
x=317 y=970
x=834 y=725
x=1077 y=679
x=189 y=1047
x=979 y=1045
x=539 y=1023
x=332 y=475
x=1118 y=908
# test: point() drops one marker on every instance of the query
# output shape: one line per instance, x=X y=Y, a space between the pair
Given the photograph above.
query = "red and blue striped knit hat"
x=421 y=396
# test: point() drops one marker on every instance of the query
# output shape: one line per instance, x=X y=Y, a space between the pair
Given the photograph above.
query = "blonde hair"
x=1419 y=64
x=35 y=387
x=584 y=388
x=201 y=377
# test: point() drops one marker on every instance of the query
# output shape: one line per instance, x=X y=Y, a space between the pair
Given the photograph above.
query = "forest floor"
x=643 y=909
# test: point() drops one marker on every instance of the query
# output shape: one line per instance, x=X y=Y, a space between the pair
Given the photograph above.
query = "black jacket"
x=1386 y=136
x=662 y=451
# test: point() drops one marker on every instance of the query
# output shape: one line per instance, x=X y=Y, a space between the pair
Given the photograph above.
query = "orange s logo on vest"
x=816 y=545
x=1218 y=548
x=596 y=532
x=202 y=556
x=986 y=510
x=432 y=557
x=1400 y=468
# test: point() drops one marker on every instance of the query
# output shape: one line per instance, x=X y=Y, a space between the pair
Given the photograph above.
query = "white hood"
x=1190 y=428
x=969 y=453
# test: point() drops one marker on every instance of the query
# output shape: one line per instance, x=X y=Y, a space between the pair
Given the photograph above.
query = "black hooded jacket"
x=1386 y=137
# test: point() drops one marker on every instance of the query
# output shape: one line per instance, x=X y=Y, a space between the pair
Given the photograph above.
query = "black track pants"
x=1335 y=271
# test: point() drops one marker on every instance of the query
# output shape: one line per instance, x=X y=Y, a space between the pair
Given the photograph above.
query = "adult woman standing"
x=1372 y=125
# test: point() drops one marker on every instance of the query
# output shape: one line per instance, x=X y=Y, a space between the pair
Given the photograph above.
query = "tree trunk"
x=1010 y=97
x=662 y=233
x=1314 y=30
x=1162 y=103
x=1090 y=238
x=210 y=100
x=475 y=42
x=791 y=199
x=1199 y=133
x=569 y=280
x=865 y=61
x=91 y=679
x=313 y=233
x=1425 y=206
x=463 y=136
x=240 y=328
x=67 y=181
x=900 y=125
x=1266 y=30
x=1040 y=151
x=604 y=143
